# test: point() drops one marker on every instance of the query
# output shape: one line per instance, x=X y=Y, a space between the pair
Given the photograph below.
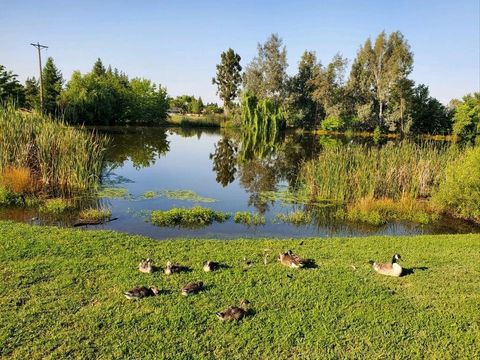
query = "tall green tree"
x=32 y=93
x=98 y=68
x=10 y=88
x=228 y=78
x=265 y=76
x=379 y=70
x=301 y=107
x=52 y=86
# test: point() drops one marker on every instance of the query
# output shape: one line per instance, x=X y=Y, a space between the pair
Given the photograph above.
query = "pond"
x=217 y=169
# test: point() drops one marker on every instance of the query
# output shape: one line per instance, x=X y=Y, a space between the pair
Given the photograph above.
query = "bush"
x=297 y=217
x=17 y=180
x=459 y=192
x=8 y=198
x=249 y=219
x=95 y=214
x=194 y=217
x=332 y=123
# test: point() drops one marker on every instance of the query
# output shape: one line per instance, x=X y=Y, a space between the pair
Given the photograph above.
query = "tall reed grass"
x=60 y=159
x=394 y=171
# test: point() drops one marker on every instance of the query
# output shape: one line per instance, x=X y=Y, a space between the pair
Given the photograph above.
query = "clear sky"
x=178 y=43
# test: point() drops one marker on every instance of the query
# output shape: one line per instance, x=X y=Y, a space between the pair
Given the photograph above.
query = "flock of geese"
x=236 y=313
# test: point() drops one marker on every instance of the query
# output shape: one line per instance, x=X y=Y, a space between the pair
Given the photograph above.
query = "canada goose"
x=234 y=313
x=291 y=260
x=390 y=269
x=192 y=288
x=210 y=266
x=174 y=268
x=140 y=292
x=146 y=266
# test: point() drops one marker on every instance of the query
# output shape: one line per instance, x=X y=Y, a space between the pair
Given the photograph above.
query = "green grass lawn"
x=61 y=296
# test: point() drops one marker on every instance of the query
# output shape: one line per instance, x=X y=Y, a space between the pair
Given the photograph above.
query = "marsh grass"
x=194 y=217
x=215 y=120
x=61 y=160
x=61 y=296
x=185 y=195
x=248 y=218
x=349 y=174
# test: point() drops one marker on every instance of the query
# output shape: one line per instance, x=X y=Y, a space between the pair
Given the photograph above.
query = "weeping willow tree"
x=262 y=122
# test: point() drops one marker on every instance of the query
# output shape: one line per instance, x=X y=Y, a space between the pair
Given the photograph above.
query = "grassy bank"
x=196 y=121
x=61 y=296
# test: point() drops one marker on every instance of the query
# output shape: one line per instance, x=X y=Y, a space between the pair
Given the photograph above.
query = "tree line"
x=376 y=95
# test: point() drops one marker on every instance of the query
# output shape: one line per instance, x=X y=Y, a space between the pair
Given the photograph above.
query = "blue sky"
x=178 y=43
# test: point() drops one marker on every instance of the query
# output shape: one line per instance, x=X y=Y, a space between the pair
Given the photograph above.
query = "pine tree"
x=52 y=86
x=228 y=78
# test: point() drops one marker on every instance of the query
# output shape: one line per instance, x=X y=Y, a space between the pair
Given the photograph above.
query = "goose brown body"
x=389 y=269
x=210 y=266
x=140 y=292
x=192 y=288
x=291 y=260
x=233 y=313
x=174 y=268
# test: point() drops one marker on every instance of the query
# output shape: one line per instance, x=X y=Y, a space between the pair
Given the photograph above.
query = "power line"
x=39 y=48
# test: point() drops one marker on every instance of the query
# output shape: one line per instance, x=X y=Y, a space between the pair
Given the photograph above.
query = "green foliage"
x=55 y=206
x=208 y=120
x=194 y=217
x=113 y=193
x=466 y=121
x=224 y=161
x=377 y=135
x=185 y=195
x=228 y=78
x=332 y=123
x=187 y=104
x=8 y=198
x=262 y=122
x=11 y=91
x=249 y=219
x=52 y=87
x=60 y=287
x=108 y=97
x=348 y=174
x=459 y=192
x=64 y=160
x=32 y=94
x=297 y=217
x=265 y=76
x=94 y=214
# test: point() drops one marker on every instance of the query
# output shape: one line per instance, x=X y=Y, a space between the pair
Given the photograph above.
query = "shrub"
x=459 y=192
x=466 y=121
x=8 y=198
x=249 y=219
x=332 y=123
x=194 y=217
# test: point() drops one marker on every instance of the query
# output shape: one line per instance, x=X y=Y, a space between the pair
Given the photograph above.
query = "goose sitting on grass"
x=390 y=269
x=146 y=266
x=140 y=292
x=234 y=313
x=291 y=260
x=192 y=288
x=210 y=266
x=174 y=268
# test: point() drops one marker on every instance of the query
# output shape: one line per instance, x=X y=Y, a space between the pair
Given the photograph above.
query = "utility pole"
x=39 y=48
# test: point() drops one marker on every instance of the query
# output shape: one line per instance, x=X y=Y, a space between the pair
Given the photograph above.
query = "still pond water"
x=214 y=165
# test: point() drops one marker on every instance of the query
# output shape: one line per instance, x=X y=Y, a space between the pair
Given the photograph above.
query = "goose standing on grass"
x=390 y=269
x=210 y=266
x=146 y=266
x=291 y=260
x=140 y=292
x=234 y=313
x=192 y=288
x=174 y=268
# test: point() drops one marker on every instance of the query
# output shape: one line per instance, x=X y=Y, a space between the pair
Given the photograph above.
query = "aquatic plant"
x=395 y=171
x=95 y=214
x=186 y=195
x=113 y=193
x=55 y=206
x=297 y=217
x=62 y=160
x=8 y=198
x=193 y=217
x=149 y=194
x=248 y=218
